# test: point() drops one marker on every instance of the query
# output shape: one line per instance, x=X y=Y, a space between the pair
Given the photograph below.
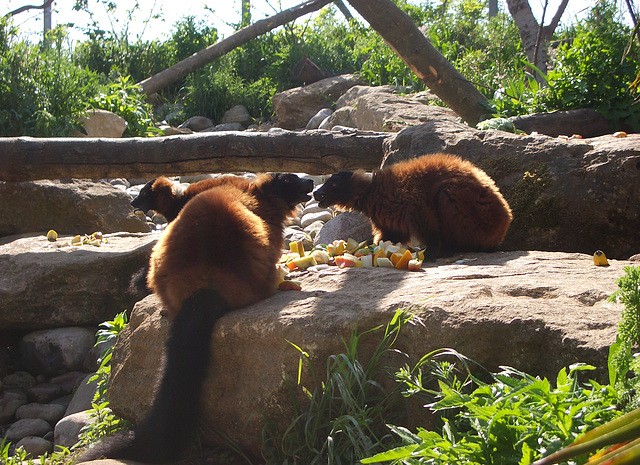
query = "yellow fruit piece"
x=287 y=285
x=351 y=245
x=403 y=263
x=304 y=262
x=77 y=240
x=620 y=134
x=414 y=265
x=600 y=259
x=52 y=235
x=379 y=254
x=395 y=257
x=321 y=256
x=339 y=247
x=297 y=247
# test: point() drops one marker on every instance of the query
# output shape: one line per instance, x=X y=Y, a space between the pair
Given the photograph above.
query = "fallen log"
x=312 y=152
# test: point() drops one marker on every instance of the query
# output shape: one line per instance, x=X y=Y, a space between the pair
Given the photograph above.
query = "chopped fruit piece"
x=367 y=261
x=403 y=263
x=287 y=285
x=414 y=265
x=320 y=256
x=384 y=262
x=304 y=262
x=379 y=254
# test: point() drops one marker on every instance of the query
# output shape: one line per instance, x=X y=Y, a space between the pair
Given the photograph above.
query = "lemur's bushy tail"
x=166 y=432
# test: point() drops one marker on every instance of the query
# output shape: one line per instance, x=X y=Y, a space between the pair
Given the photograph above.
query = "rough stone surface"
x=51 y=413
x=10 y=401
x=67 y=206
x=535 y=311
x=28 y=427
x=35 y=446
x=295 y=107
x=103 y=123
x=68 y=429
x=56 y=351
x=569 y=195
x=380 y=109
x=344 y=226
x=44 y=285
x=237 y=114
x=83 y=397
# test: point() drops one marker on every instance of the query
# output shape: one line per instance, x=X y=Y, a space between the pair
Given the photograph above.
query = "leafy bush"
x=624 y=366
x=128 y=101
x=513 y=419
x=103 y=421
x=41 y=92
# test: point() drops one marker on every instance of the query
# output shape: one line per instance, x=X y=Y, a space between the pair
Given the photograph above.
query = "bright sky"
x=224 y=12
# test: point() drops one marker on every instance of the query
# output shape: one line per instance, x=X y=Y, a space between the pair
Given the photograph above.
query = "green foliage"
x=624 y=366
x=128 y=101
x=21 y=457
x=513 y=419
x=103 y=421
x=346 y=412
x=41 y=92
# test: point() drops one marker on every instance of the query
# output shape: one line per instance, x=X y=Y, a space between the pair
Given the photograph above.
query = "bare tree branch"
x=46 y=4
x=188 y=65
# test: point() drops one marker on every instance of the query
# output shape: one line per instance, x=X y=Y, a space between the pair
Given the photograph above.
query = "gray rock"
x=313 y=229
x=554 y=313
x=295 y=107
x=197 y=123
x=56 y=351
x=102 y=123
x=308 y=218
x=67 y=206
x=35 y=446
x=28 y=427
x=344 y=226
x=83 y=397
x=237 y=114
x=10 y=401
x=72 y=286
x=67 y=430
x=51 y=413
x=318 y=118
x=19 y=380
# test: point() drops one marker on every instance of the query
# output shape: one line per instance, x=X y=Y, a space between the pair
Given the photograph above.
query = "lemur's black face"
x=145 y=200
x=336 y=189
x=292 y=189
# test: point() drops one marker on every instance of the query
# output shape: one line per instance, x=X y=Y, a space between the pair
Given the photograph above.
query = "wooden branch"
x=312 y=152
x=401 y=33
x=29 y=7
x=181 y=69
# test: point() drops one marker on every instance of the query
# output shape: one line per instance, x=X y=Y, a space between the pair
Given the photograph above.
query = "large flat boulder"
x=50 y=285
x=536 y=311
x=75 y=206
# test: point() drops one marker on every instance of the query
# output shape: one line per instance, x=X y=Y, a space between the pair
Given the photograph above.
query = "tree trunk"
x=188 y=65
x=312 y=152
x=535 y=37
x=400 y=32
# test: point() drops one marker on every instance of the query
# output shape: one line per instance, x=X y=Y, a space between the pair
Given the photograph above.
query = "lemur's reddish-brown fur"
x=219 y=254
x=439 y=200
x=167 y=197
x=226 y=238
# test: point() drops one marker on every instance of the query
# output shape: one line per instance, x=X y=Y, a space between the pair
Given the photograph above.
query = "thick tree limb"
x=312 y=152
x=401 y=33
x=46 y=4
x=188 y=65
